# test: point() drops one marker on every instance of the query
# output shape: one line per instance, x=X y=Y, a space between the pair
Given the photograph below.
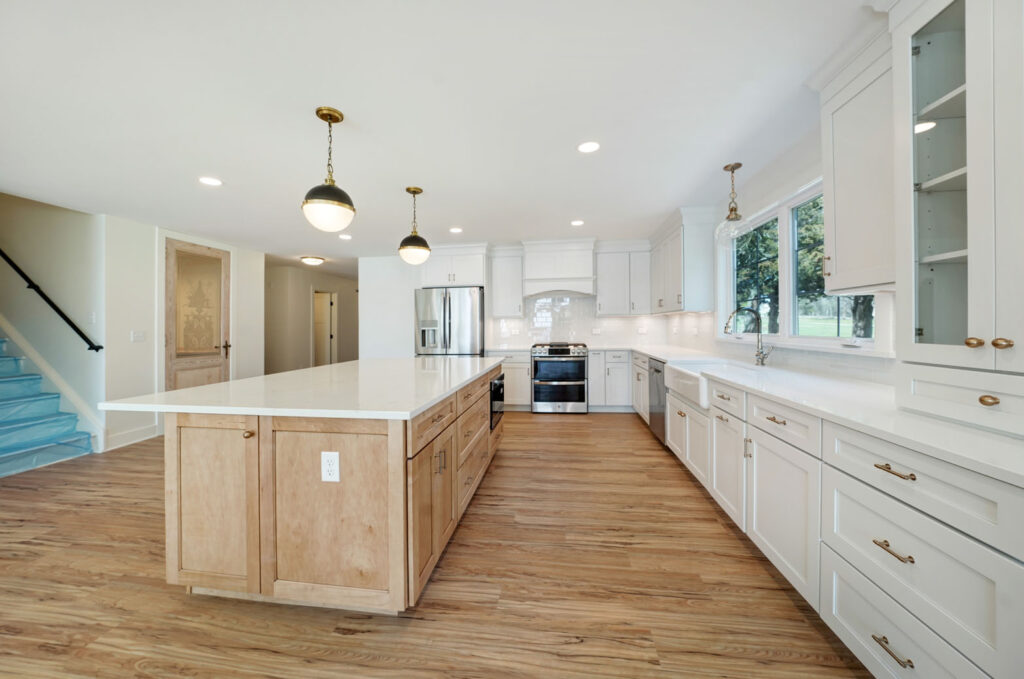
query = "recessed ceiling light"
x=576 y=222
x=455 y=229
x=924 y=126
x=210 y=181
x=588 y=147
x=312 y=261
x=345 y=236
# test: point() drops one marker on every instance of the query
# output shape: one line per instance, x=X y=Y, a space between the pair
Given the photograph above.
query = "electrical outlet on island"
x=329 y=467
x=595 y=331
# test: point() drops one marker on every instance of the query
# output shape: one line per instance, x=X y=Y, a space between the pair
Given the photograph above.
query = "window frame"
x=783 y=209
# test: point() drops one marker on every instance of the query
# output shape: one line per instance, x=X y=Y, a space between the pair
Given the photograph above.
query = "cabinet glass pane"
x=940 y=177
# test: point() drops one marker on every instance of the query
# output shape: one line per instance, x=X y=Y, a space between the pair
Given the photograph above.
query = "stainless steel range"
x=559 y=377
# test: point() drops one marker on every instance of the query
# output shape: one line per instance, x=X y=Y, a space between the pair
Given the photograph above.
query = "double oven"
x=559 y=383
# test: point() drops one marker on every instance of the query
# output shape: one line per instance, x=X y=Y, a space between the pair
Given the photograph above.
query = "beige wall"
x=289 y=316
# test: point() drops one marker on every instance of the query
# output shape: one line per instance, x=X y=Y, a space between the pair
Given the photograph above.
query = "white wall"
x=387 y=307
x=289 y=316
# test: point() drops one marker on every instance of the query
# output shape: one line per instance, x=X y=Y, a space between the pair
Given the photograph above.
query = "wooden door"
x=728 y=465
x=211 y=478
x=783 y=510
x=197 y=323
x=445 y=509
x=422 y=543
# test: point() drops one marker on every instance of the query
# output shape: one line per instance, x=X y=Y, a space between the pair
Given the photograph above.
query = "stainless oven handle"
x=560 y=384
x=559 y=358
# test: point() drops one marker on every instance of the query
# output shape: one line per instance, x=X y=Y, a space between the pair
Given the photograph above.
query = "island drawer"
x=479 y=387
x=470 y=425
x=729 y=399
x=968 y=593
x=471 y=472
x=981 y=506
x=789 y=424
x=431 y=422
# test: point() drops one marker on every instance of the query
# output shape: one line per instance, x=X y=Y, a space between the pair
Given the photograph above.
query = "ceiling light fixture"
x=734 y=209
x=576 y=222
x=924 y=126
x=413 y=248
x=327 y=207
x=345 y=236
x=588 y=147
x=312 y=261
x=210 y=181
x=455 y=229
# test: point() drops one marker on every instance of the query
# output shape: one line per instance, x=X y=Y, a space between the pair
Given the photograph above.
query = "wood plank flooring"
x=588 y=551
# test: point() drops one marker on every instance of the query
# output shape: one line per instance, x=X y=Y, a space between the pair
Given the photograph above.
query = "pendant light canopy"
x=326 y=206
x=414 y=249
x=734 y=209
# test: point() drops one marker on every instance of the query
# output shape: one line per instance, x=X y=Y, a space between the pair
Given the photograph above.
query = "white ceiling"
x=117 y=107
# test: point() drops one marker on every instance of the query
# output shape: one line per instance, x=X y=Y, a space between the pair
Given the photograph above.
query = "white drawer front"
x=512 y=356
x=969 y=594
x=640 y=361
x=616 y=357
x=789 y=424
x=979 y=505
x=729 y=399
x=865 y=618
x=958 y=395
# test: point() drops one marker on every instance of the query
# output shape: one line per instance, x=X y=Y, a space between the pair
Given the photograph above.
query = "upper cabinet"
x=682 y=271
x=857 y=148
x=506 y=291
x=566 y=265
x=639 y=283
x=458 y=265
x=623 y=278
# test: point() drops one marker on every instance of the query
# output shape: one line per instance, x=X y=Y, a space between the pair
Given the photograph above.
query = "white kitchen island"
x=332 y=486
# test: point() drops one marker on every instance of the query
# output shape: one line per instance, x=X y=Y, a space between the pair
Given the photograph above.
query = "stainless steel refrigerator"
x=450 y=321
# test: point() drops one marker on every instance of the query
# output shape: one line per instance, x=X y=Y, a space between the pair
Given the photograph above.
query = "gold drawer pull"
x=248 y=434
x=438 y=418
x=724 y=397
x=776 y=420
x=723 y=419
x=680 y=413
x=888 y=468
x=1002 y=343
x=823 y=260
x=884 y=544
x=988 y=400
x=975 y=342
x=884 y=643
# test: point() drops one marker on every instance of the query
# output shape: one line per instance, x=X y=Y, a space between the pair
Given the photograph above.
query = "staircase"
x=33 y=431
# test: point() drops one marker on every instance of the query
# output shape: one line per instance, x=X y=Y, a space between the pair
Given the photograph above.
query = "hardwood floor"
x=588 y=551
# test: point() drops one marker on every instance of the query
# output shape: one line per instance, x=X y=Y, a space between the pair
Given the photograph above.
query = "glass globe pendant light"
x=414 y=249
x=326 y=206
x=734 y=209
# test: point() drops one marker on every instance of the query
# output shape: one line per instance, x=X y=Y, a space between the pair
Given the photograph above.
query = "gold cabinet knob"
x=988 y=400
x=248 y=434
x=680 y=413
x=974 y=342
x=1002 y=343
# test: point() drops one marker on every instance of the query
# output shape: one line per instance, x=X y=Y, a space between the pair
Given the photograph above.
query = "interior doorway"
x=325 y=327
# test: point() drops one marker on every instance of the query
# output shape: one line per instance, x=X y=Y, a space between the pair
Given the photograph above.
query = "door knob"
x=975 y=342
x=1002 y=343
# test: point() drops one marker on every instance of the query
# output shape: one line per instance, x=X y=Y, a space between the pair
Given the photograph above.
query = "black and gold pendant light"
x=734 y=209
x=326 y=206
x=414 y=249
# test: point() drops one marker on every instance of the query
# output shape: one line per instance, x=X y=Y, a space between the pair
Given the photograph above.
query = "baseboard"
x=126 y=438
x=611 y=409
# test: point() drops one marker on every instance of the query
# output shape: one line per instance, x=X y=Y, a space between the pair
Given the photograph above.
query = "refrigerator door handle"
x=448 y=321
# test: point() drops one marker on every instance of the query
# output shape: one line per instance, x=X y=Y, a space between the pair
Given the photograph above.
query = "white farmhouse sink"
x=686 y=380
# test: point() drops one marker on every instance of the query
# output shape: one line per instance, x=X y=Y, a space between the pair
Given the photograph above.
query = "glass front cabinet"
x=958 y=74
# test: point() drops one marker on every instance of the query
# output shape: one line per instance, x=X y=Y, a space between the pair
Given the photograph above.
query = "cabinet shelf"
x=953 y=104
x=952 y=257
x=951 y=181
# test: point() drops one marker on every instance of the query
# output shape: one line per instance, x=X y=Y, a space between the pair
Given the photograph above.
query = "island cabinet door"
x=433 y=508
x=212 y=501
x=333 y=536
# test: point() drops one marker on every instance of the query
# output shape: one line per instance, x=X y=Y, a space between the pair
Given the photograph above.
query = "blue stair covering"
x=33 y=431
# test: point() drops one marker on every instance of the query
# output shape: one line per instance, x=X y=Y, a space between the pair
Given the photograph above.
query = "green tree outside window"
x=756 y=263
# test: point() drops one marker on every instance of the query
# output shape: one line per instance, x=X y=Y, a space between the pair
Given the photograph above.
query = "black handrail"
x=32 y=286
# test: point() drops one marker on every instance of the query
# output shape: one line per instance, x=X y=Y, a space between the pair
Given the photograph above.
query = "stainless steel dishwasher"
x=656 y=386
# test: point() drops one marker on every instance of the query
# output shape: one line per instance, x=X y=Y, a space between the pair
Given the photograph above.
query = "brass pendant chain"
x=414 y=215
x=733 y=207
x=330 y=151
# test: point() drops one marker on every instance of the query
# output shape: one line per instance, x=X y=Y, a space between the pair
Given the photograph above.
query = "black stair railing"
x=32 y=286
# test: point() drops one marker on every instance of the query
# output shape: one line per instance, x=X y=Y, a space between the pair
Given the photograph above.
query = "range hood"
x=558 y=266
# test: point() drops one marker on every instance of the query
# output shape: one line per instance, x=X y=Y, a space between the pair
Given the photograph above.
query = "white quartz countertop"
x=871 y=408
x=382 y=388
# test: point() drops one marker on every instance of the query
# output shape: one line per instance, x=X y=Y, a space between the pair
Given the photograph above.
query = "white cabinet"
x=616 y=383
x=682 y=262
x=639 y=283
x=506 y=291
x=558 y=265
x=728 y=481
x=595 y=378
x=613 y=284
x=517 y=384
x=639 y=382
x=687 y=435
x=783 y=509
x=857 y=136
x=454 y=267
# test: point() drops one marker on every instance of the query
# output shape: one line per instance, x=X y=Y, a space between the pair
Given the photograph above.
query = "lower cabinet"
x=728 y=480
x=640 y=394
x=783 y=509
x=686 y=431
x=432 y=507
x=616 y=384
